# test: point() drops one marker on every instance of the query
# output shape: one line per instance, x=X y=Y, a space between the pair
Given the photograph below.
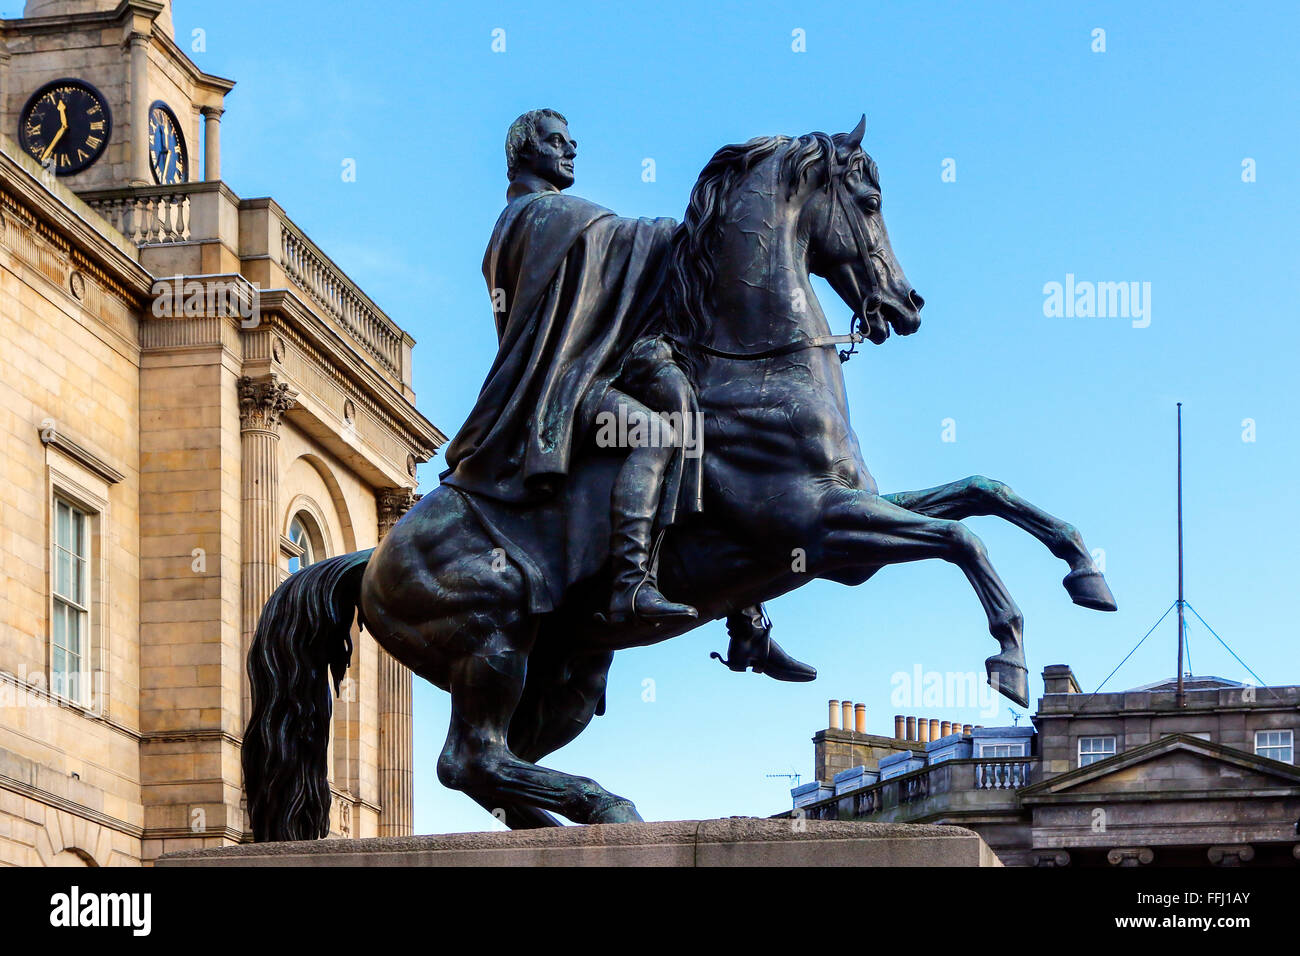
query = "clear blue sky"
x=1117 y=166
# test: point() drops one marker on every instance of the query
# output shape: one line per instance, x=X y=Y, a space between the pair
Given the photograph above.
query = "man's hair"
x=523 y=136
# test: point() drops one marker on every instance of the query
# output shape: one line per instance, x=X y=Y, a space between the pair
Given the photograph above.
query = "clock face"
x=65 y=124
x=167 y=156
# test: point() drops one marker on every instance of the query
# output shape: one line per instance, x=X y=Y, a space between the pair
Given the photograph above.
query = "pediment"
x=1171 y=764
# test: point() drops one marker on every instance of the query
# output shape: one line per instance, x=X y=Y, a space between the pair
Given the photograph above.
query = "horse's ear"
x=855 y=137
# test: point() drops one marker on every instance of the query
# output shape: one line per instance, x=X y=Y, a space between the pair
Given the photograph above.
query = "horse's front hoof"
x=1087 y=588
x=620 y=811
x=1009 y=677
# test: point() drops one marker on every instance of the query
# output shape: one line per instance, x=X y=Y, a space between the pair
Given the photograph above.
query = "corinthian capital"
x=393 y=503
x=262 y=402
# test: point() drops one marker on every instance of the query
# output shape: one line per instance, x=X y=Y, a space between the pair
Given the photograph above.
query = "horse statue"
x=783 y=475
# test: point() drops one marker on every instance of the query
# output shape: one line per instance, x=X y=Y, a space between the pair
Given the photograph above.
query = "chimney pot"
x=900 y=727
x=911 y=728
x=848 y=714
x=834 y=706
x=934 y=728
x=945 y=728
x=860 y=718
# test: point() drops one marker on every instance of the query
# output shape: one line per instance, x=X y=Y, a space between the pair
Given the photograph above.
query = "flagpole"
x=1179 y=698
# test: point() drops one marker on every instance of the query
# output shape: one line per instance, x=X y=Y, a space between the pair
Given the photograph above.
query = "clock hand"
x=63 y=128
x=54 y=142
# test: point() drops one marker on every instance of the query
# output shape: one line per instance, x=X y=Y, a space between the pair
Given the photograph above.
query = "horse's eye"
x=872 y=203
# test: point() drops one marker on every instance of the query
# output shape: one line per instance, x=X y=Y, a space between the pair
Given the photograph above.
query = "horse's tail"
x=304 y=630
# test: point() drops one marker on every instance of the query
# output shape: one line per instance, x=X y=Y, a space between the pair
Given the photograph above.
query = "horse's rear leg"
x=561 y=696
x=984 y=496
x=485 y=689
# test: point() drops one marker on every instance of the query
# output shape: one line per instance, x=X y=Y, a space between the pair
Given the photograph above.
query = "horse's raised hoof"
x=1087 y=588
x=620 y=811
x=1009 y=677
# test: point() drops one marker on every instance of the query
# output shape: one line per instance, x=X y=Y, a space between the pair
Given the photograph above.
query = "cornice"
x=41 y=795
x=71 y=221
x=51 y=436
x=347 y=359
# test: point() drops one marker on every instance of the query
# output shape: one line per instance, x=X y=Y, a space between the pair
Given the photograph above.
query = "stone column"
x=262 y=402
x=396 y=740
x=211 y=143
x=139 y=114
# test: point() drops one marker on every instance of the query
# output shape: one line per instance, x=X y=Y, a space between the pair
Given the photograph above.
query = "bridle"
x=854 y=337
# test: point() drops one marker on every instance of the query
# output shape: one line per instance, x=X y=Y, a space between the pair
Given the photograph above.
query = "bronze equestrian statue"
x=544 y=550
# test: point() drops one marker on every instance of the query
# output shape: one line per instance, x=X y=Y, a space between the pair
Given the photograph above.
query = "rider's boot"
x=752 y=647
x=635 y=585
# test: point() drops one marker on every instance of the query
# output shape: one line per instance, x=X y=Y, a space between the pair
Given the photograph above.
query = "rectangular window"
x=70 y=627
x=1276 y=745
x=1002 y=750
x=1092 y=749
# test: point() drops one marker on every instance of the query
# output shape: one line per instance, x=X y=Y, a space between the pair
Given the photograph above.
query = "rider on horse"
x=573 y=287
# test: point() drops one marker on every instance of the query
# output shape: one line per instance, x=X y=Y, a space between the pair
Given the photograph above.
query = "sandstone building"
x=1127 y=778
x=195 y=401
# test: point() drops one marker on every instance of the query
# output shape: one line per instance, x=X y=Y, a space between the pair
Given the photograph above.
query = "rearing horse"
x=783 y=476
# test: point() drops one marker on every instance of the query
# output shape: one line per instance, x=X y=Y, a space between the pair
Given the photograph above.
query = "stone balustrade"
x=147 y=216
x=170 y=224
x=312 y=271
x=953 y=783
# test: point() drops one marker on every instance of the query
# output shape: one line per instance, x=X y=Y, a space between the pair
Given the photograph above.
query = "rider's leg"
x=652 y=376
x=752 y=646
x=634 y=505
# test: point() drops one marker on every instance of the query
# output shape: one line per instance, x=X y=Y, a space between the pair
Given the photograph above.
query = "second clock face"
x=167 y=156
x=66 y=124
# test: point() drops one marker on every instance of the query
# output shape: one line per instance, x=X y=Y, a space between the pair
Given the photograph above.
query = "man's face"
x=552 y=154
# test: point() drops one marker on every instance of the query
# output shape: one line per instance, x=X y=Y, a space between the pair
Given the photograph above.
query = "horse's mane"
x=693 y=247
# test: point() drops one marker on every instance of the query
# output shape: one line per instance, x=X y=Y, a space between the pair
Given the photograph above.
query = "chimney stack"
x=1059 y=679
x=834 y=706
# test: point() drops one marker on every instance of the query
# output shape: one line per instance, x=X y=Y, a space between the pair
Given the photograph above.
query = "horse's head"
x=764 y=209
x=849 y=246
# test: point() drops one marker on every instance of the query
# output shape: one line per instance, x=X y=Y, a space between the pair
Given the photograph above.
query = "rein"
x=853 y=338
x=816 y=342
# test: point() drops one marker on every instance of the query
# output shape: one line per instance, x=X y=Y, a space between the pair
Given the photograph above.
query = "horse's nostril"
x=914 y=297
x=873 y=302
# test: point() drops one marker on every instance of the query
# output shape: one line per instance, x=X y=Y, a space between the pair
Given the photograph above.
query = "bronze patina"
x=546 y=549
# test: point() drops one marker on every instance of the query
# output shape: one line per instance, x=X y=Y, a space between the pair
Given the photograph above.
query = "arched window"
x=300 y=536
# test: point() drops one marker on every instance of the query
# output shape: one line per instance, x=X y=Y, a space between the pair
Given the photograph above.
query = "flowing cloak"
x=581 y=287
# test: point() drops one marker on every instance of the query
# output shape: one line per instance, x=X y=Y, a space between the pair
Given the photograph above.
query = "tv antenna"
x=784 y=776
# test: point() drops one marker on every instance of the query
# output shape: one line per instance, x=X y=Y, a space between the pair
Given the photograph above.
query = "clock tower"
x=99 y=93
x=200 y=402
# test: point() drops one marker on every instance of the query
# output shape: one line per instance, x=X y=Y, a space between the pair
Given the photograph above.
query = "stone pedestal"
x=736 y=841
